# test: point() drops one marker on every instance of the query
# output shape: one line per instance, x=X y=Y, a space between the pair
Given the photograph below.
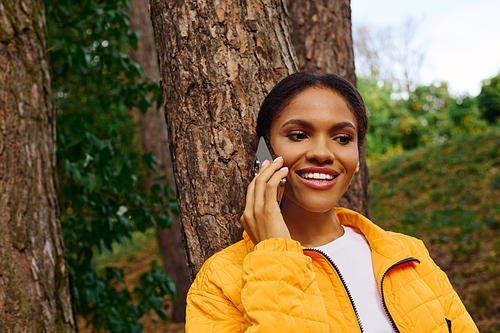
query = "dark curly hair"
x=289 y=87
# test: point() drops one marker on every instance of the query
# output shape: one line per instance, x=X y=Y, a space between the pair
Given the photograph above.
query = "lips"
x=318 y=178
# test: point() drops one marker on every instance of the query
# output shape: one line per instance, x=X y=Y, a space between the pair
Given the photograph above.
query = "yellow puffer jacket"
x=277 y=286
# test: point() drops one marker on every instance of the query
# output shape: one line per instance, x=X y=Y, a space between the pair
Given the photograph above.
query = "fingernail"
x=278 y=158
x=284 y=169
x=264 y=163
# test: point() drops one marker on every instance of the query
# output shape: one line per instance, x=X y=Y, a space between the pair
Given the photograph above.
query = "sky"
x=461 y=37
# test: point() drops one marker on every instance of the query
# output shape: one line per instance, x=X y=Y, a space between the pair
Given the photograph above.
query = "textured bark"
x=34 y=285
x=218 y=59
x=321 y=35
x=154 y=137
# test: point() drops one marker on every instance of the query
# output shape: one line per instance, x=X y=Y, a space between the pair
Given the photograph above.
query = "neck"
x=311 y=229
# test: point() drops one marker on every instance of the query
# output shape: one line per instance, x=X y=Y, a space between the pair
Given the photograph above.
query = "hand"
x=262 y=217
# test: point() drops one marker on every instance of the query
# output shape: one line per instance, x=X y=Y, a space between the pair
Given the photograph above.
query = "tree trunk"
x=218 y=59
x=321 y=34
x=34 y=284
x=154 y=137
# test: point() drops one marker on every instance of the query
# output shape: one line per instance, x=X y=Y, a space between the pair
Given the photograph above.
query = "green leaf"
x=101 y=166
x=160 y=177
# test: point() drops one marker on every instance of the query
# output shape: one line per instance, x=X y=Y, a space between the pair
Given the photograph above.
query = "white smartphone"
x=263 y=154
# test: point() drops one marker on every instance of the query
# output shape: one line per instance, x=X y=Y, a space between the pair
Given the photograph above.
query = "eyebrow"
x=307 y=124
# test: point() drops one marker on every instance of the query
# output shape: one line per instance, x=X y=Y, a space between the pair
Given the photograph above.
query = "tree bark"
x=322 y=37
x=321 y=34
x=34 y=284
x=154 y=137
x=218 y=60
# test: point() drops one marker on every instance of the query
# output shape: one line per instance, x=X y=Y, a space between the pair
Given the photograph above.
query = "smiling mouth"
x=319 y=177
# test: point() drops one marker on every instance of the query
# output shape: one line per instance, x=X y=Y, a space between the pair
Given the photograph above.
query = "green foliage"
x=428 y=115
x=100 y=163
x=128 y=251
x=438 y=188
x=427 y=119
x=447 y=195
x=489 y=99
x=382 y=137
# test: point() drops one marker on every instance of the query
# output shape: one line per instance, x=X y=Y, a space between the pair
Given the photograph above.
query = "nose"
x=321 y=151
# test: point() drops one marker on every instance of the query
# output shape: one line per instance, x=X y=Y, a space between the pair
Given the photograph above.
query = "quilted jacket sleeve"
x=213 y=301
x=278 y=293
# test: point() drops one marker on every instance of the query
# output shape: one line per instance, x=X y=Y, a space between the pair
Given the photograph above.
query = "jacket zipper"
x=404 y=261
x=343 y=283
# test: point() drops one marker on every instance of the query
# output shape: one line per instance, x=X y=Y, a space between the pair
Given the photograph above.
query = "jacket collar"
x=386 y=250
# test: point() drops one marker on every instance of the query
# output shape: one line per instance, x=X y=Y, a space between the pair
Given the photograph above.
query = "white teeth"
x=316 y=176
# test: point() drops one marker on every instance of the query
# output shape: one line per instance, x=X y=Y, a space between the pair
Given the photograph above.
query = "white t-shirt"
x=351 y=254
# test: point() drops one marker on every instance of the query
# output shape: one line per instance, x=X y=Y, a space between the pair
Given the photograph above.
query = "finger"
x=263 y=195
x=249 y=199
x=269 y=168
x=278 y=176
x=249 y=202
x=263 y=166
x=247 y=219
x=272 y=185
x=266 y=172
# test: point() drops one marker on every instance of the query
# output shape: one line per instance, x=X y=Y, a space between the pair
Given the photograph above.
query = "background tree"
x=489 y=99
x=217 y=62
x=391 y=54
x=101 y=165
x=34 y=284
x=429 y=116
x=154 y=138
x=322 y=38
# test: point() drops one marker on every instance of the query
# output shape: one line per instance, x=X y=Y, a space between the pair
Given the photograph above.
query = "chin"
x=313 y=204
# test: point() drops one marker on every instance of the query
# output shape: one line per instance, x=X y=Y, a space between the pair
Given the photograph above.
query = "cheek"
x=349 y=159
x=289 y=161
x=282 y=148
x=290 y=156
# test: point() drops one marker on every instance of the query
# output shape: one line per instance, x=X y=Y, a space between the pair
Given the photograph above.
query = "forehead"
x=317 y=104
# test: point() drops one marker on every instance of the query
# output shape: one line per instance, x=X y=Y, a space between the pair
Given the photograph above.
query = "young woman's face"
x=316 y=134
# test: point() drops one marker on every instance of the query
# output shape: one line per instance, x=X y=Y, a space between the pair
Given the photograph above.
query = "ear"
x=357 y=168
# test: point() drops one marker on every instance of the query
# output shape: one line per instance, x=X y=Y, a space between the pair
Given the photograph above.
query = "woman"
x=310 y=267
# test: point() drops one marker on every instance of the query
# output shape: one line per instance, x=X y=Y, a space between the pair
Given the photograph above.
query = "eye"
x=297 y=136
x=343 y=139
